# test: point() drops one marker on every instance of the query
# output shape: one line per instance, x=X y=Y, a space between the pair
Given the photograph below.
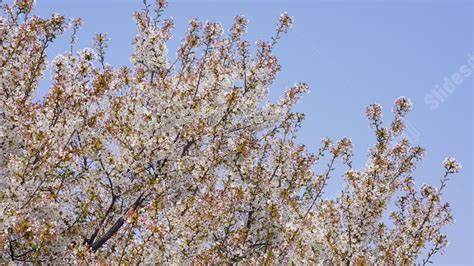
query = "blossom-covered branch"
x=183 y=159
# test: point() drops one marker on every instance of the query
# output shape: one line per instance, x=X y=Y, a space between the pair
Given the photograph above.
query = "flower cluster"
x=239 y=28
x=451 y=165
x=285 y=22
x=402 y=106
x=374 y=113
x=25 y=6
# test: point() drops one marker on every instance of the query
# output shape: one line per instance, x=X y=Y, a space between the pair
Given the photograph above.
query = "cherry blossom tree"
x=182 y=158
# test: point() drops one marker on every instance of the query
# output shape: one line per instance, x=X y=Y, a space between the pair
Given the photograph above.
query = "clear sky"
x=352 y=53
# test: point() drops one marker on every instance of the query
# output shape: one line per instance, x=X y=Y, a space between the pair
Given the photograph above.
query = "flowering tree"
x=185 y=160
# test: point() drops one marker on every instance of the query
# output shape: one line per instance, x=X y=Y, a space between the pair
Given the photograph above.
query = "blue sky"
x=352 y=53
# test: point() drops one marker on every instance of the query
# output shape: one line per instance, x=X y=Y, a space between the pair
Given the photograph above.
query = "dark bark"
x=117 y=225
